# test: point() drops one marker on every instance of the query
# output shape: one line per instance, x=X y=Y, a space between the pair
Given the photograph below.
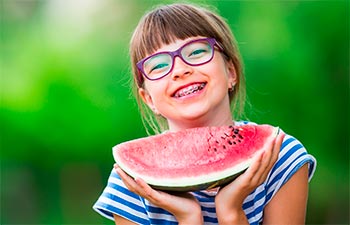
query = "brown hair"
x=165 y=24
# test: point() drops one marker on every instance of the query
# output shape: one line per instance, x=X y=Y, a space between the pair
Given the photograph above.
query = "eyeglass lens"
x=194 y=53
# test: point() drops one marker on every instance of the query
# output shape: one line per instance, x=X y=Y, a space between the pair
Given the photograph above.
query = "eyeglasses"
x=194 y=53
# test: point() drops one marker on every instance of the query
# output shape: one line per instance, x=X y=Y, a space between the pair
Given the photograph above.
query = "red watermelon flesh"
x=192 y=159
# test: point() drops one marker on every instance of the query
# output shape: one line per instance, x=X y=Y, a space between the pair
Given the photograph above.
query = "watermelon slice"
x=193 y=159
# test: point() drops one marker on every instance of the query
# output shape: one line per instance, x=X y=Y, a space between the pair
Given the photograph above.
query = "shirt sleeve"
x=117 y=199
x=291 y=158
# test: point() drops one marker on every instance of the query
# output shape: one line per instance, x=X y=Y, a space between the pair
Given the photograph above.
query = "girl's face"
x=192 y=96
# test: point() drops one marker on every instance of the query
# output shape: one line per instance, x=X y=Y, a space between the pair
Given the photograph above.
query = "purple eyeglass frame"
x=212 y=42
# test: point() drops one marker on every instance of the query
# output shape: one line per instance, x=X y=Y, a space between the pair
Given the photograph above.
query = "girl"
x=187 y=73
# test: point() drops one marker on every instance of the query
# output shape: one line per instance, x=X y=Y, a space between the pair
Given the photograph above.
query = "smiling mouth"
x=189 y=90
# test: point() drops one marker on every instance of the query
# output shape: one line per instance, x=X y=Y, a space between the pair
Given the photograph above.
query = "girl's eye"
x=159 y=66
x=157 y=63
x=197 y=52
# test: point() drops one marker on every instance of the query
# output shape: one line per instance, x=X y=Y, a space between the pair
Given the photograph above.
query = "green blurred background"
x=65 y=98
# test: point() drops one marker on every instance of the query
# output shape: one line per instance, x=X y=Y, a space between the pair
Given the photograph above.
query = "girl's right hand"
x=184 y=206
x=229 y=200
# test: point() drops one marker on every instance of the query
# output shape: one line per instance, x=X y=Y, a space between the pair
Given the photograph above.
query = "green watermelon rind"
x=201 y=186
x=204 y=182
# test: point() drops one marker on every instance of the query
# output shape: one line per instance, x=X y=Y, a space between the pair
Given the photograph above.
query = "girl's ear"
x=147 y=98
x=231 y=72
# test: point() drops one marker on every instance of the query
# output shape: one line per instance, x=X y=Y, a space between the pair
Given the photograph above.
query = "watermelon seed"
x=234 y=136
x=217 y=142
x=234 y=142
x=229 y=142
x=215 y=149
x=235 y=131
x=240 y=136
x=239 y=140
x=224 y=146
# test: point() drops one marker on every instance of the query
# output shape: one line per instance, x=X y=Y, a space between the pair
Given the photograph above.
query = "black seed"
x=215 y=149
x=223 y=137
x=234 y=136
x=240 y=136
x=239 y=140
x=224 y=146
x=234 y=142
x=229 y=142
x=230 y=126
x=217 y=142
x=236 y=131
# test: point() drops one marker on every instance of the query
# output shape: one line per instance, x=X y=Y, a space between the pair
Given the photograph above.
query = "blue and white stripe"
x=117 y=199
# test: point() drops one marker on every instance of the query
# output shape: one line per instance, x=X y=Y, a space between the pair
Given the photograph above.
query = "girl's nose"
x=180 y=68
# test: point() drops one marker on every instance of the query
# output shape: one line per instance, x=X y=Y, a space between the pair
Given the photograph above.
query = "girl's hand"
x=229 y=200
x=183 y=206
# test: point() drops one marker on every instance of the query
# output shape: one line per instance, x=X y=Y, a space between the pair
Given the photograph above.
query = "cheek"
x=218 y=66
x=155 y=89
x=219 y=73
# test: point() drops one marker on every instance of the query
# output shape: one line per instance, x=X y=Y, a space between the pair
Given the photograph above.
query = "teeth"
x=189 y=90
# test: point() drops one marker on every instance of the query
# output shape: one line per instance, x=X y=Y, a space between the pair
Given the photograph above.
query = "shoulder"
x=293 y=155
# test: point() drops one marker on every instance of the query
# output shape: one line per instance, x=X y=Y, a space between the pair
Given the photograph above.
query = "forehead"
x=164 y=28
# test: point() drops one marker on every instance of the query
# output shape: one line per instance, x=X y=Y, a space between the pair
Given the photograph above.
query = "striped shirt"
x=117 y=199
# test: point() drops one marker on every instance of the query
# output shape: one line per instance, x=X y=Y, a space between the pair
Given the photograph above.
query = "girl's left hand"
x=229 y=200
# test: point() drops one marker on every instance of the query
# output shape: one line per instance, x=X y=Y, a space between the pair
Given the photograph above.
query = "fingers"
x=256 y=164
x=263 y=162
x=271 y=156
x=277 y=147
x=275 y=150
x=139 y=186
x=128 y=181
x=147 y=191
